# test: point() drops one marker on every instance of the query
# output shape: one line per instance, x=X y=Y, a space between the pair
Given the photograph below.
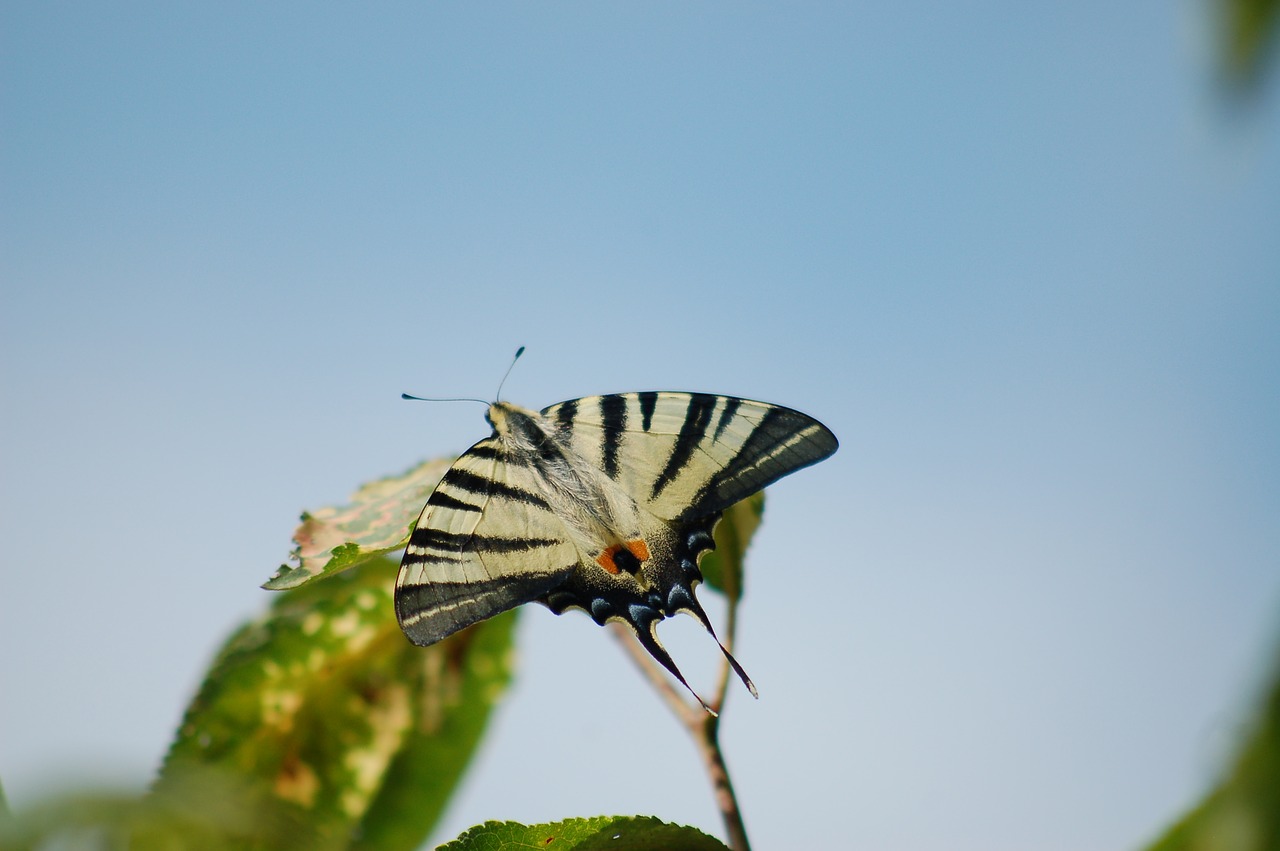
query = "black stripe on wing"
x=485 y=486
x=613 y=415
x=781 y=442
x=727 y=413
x=437 y=595
x=430 y=611
x=440 y=499
x=696 y=419
x=565 y=413
x=648 y=403
x=438 y=539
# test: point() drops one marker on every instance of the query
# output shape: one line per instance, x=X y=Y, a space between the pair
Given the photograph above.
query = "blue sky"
x=1023 y=261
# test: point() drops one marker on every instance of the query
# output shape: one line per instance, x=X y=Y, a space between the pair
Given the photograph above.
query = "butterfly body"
x=604 y=503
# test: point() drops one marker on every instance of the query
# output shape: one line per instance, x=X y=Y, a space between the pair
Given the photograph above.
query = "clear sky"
x=1023 y=259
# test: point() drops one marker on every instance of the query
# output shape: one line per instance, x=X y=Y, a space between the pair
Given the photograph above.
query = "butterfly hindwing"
x=684 y=455
x=485 y=542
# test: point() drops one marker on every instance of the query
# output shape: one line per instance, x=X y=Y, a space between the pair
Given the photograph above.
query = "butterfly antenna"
x=425 y=399
x=519 y=352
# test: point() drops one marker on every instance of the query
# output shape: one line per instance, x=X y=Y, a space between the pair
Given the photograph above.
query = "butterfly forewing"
x=485 y=542
x=689 y=454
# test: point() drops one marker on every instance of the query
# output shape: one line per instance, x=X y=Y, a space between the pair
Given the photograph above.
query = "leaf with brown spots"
x=324 y=708
x=376 y=521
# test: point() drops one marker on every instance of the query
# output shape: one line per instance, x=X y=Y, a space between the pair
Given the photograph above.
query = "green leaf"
x=722 y=568
x=1243 y=813
x=617 y=833
x=464 y=680
x=324 y=705
x=1249 y=35
x=207 y=810
x=376 y=521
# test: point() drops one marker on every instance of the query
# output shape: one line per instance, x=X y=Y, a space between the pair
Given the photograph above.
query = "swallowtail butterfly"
x=603 y=504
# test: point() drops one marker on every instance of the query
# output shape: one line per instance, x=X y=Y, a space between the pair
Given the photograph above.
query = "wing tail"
x=692 y=607
x=646 y=633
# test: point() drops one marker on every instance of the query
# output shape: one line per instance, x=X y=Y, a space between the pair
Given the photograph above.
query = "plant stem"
x=722 y=786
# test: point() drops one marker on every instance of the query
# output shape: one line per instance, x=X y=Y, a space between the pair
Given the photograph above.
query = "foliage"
x=1248 y=34
x=722 y=567
x=1243 y=813
x=616 y=833
x=377 y=521
x=319 y=726
x=329 y=709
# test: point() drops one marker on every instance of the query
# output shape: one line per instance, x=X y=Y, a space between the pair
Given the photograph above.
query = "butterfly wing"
x=687 y=455
x=485 y=542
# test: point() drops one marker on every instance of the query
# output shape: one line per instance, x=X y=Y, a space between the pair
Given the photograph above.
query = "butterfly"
x=603 y=504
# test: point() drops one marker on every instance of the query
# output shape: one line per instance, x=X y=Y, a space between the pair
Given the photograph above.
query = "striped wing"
x=686 y=455
x=486 y=542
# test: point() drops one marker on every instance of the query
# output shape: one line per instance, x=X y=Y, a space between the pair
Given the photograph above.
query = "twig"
x=722 y=786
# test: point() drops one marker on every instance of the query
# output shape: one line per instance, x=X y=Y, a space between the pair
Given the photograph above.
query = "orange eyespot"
x=637 y=549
